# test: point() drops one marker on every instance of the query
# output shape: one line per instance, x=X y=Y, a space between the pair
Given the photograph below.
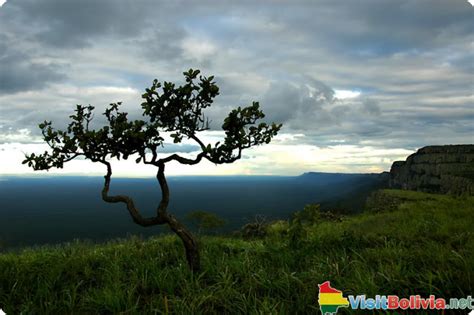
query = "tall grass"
x=426 y=246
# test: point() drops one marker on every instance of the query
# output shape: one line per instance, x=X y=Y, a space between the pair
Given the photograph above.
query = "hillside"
x=347 y=192
x=418 y=244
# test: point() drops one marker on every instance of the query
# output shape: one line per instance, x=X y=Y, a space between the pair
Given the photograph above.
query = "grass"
x=424 y=246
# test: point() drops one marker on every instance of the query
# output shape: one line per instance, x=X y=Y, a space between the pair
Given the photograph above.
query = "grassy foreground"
x=422 y=245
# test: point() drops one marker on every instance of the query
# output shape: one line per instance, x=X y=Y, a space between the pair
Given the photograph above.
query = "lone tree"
x=166 y=108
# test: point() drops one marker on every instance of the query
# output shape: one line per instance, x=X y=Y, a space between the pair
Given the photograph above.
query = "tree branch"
x=161 y=217
x=201 y=144
x=180 y=159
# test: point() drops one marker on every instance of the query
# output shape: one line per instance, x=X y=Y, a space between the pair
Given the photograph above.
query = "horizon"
x=356 y=86
x=65 y=175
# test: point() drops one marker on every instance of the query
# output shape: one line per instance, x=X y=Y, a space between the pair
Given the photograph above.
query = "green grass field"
x=423 y=245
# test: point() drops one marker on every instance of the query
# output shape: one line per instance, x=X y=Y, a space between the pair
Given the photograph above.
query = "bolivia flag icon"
x=330 y=299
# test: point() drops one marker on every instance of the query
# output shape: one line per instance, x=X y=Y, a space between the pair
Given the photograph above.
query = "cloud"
x=380 y=28
x=406 y=65
x=24 y=111
x=298 y=103
x=198 y=49
x=17 y=73
x=371 y=107
x=74 y=24
x=20 y=71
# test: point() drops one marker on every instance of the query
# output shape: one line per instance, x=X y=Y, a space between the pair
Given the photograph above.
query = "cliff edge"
x=436 y=169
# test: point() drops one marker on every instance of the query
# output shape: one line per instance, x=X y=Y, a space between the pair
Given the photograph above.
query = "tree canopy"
x=167 y=108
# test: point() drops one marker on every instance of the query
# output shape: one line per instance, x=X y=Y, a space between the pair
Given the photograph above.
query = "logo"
x=330 y=299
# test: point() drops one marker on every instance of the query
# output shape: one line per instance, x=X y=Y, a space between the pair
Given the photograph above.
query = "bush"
x=206 y=221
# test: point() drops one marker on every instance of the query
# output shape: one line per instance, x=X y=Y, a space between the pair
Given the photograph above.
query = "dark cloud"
x=62 y=30
x=371 y=107
x=20 y=72
x=161 y=43
x=371 y=28
x=66 y=23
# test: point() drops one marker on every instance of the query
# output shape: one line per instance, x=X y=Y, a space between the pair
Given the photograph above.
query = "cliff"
x=436 y=169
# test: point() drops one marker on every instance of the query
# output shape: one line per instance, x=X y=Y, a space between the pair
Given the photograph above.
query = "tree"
x=205 y=220
x=167 y=108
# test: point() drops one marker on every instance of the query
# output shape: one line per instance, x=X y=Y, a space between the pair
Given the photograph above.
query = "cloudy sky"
x=356 y=84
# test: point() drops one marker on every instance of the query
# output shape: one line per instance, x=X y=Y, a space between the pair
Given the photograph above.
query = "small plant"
x=277 y=228
x=205 y=221
x=310 y=215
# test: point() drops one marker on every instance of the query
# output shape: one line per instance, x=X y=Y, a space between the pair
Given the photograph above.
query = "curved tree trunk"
x=162 y=216
x=189 y=241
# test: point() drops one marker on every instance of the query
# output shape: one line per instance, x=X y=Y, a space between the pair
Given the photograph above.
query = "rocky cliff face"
x=437 y=169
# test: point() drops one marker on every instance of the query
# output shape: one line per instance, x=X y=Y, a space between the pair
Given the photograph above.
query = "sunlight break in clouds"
x=343 y=94
x=2 y=2
x=197 y=49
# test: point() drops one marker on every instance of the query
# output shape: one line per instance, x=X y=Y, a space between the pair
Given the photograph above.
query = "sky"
x=356 y=84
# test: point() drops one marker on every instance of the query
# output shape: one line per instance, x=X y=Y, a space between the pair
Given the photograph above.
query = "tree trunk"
x=162 y=216
x=189 y=241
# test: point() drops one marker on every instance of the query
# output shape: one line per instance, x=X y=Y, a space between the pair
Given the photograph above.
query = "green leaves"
x=177 y=138
x=241 y=133
x=191 y=74
x=166 y=107
x=120 y=138
x=180 y=108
